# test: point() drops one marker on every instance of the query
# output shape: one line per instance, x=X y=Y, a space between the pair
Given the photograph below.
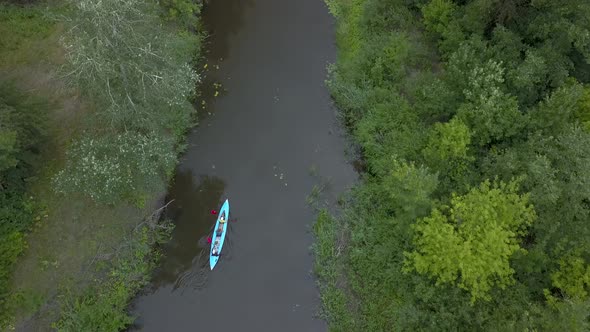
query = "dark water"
x=263 y=142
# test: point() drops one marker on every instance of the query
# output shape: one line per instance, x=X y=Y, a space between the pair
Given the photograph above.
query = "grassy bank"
x=329 y=264
x=82 y=245
x=472 y=121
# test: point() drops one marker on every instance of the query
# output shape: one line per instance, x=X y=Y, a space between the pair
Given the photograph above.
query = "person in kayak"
x=215 y=251
x=219 y=229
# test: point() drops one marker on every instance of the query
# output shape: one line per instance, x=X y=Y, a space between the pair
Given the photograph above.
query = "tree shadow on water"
x=222 y=19
x=185 y=258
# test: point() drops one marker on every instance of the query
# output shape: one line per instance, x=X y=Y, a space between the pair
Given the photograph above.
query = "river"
x=264 y=141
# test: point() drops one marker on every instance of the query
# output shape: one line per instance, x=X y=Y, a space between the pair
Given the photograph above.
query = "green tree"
x=389 y=129
x=438 y=15
x=22 y=127
x=565 y=24
x=7 y=150
x=555 y=114
x=583 y=109
x=492 y=114
x=183 y=11
x=448 y=141
x=573 y=277
x=555 y=173
x=472 y=243
x=568 y=315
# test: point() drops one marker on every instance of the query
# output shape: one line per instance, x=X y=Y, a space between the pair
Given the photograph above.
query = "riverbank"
x=83 y=259
x=472 y=121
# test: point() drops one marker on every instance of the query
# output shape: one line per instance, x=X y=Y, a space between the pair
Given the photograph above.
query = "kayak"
x=218 y=238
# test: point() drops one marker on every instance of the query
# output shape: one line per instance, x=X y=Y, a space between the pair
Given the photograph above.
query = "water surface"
x=262 y=142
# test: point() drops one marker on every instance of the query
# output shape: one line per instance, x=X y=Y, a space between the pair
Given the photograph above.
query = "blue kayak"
x=219 y=237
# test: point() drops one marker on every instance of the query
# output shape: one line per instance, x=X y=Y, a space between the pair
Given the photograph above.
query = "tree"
x=564 y=24
x=573 y=277
x=22 y=129
x=555 y=172
x=448 y=153
x=120 y=55
x=471 y=242
x=491 y=114
x=556 y=112
x=438 y=15
x=7 y=150
x=448 y=141
x=583 y=109
x=389 y=129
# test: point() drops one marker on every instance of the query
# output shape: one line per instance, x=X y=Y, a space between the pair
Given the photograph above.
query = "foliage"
x=122 y=57
x=182 y=11
x=138 y=73
x=583 y=109
x=438 y=15
x=22 y=129
x=136 y=78
x=327 y=253
x=473 y=243
x=108 y=168
x=103 y=305
x=22 y=134
x=573 y=277
x=21 y=26
x=441 y=96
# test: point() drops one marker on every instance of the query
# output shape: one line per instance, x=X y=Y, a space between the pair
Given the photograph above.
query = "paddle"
x=230 y=219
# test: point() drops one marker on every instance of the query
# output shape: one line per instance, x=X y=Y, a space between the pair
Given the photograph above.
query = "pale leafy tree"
x=491 y=114
x=119 y=53
x=470 y=243
x=136 y=72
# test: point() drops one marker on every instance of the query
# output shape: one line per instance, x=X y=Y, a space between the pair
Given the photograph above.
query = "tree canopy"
x=473 y=119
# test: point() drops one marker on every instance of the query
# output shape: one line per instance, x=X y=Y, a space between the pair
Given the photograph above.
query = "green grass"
x=102 y=306
x=24 y=33
x=66 y=247
x=329 y=269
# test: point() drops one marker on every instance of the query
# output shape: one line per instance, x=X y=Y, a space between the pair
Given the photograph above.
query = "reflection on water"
x=186 y=261
x=223 y=18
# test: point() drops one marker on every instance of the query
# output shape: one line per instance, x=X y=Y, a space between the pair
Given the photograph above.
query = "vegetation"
x=137 y=74
x=92 y=144
x=21 y=136
x=328 y=269
x=103 y=305
x=23 y=130
x=472 y=117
